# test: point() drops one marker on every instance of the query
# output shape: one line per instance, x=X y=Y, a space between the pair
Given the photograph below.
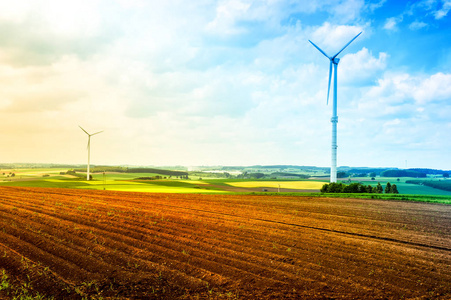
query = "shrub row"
x=357 y=187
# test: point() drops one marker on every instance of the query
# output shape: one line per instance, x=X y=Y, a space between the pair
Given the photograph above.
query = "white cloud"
x=79 y=18
x=392 y=123
x=417 y=25
x=419 y=10
x=435 y=88
x=132 y=3
x=391 y=23
x=331 y=38
x=347 y=11
x=443 y=12
x=362 y=66
x=399 y=118
x=419 y=100
x=227 y=13
x=39 y=88
x=14 y=12
x=374 y=6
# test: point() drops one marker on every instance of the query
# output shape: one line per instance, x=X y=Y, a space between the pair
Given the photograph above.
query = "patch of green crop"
x=46 y=183
x=406 y=188
x=121 y=176
x=398 y=197
x=18 y=291
x=168 y=183
x=150 y=186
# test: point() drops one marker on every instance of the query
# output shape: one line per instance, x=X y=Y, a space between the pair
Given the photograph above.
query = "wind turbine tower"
x=334 y=60
x=89 y=148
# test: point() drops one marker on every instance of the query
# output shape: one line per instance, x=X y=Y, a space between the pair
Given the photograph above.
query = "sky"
x=227 y=82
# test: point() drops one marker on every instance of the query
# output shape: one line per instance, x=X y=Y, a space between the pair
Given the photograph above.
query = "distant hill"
x=403 y=173
x=99 y=169
x=414 y=172
x=363 y=170
x=394 y=172
x=431 y=171
x=285 y=174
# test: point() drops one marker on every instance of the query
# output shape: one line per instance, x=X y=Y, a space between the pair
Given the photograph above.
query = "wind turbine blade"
x=319 y=49
x=347 y=45
x=96 y=133
x=83 y=130
x=328 y=86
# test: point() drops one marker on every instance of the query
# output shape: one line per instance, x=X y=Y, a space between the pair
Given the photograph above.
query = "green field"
x=403 y=187
x=300 y=185
x=117 y=185
x=110 y=181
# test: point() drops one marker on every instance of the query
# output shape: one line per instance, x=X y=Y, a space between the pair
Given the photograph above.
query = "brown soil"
x=85 y=244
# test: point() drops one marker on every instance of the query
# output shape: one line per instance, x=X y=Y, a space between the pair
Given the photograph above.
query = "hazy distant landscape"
x=214 y=179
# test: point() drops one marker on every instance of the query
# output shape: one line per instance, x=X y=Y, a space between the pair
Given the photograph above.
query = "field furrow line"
x=369 y=236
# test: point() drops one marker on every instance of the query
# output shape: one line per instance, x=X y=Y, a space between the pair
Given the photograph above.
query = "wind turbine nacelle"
x=336 y=60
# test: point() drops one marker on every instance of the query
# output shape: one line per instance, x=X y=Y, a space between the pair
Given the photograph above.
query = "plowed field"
x=85 y=244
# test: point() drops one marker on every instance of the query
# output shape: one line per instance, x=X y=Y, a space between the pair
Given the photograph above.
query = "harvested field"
x=86 y=244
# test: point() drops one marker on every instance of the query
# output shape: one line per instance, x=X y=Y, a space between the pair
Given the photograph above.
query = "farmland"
x=95 y=244
x=285 y=185
x=126 y=181
x=123 y=181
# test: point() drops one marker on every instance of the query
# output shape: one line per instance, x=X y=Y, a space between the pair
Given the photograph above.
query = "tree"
x=394 y=189
x=372 y=174
x=445 y=175
x=379 y=188
x=342 y=174
x=257 y=175
x=335 y=187
x=388 y=188
x=355 y=187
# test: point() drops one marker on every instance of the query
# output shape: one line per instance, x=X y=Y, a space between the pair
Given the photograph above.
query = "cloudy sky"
x=227 y=82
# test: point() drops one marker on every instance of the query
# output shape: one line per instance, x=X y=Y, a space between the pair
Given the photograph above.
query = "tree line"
x=357 y=187
x=403 y=173
x=373 y=172
x=100 y=169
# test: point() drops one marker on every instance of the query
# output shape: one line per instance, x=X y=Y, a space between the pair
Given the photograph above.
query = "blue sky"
x=230 y=82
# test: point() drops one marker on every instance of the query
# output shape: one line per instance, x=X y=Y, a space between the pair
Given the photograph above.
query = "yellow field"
x=298 y=185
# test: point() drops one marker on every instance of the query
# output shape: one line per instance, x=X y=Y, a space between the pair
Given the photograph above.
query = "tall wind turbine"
x=334 y=60
x=89 y=148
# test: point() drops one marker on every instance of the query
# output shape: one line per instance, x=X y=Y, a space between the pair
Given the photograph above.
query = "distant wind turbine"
x=334 y=60
x=89 y=148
